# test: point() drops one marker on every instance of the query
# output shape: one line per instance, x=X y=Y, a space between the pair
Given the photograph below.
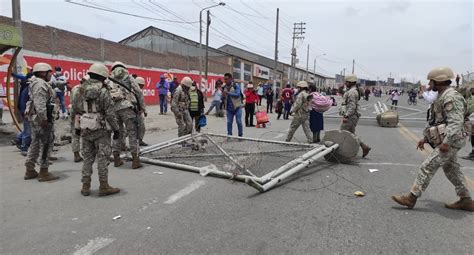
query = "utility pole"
x=208 y=23
x=353 y=63
x=307 y=64
x=275 y=70
x=16 y=15
x=344 y=72
x=298 y=32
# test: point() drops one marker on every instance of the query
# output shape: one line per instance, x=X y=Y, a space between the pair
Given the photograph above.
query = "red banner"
x=75 y=70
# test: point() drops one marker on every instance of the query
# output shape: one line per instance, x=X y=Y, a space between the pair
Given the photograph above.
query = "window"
x=247 y=72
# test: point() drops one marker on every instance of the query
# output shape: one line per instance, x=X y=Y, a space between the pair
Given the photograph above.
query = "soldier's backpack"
x=388 y=119
x=91 y=119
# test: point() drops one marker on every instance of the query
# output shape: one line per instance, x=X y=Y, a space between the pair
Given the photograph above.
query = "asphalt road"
x=180 y=212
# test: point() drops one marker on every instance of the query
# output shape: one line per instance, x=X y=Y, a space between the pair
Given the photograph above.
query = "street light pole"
x=314 y=67
x=200 y=40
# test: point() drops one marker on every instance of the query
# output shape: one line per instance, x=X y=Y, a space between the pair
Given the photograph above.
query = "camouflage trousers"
x=128 y=118
x=95 y=144
x=300 y=119
x=451 y=168
x=141 y=127
x=184 y=121
x=76 y=140
x=39 y=138
x=351 y=125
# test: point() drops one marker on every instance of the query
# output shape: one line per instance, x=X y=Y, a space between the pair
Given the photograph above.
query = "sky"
x=401 y=39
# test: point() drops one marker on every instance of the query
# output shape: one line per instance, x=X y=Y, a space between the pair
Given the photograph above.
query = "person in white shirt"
x=395 y=96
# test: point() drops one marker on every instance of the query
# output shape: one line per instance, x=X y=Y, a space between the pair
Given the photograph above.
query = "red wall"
x=75 y=70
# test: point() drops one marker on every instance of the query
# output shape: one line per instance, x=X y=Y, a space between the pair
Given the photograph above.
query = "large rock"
x=388 y=119
x=348 y=145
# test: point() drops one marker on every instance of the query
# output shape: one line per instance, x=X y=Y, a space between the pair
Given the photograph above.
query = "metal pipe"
x=168 y=144
x=292 y=171
x=216 y=173
x=162 y=143
x=290 y=164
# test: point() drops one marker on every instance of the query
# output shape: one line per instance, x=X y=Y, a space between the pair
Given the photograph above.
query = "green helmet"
x=350 y=78
x=140 y=80
x=441 y=74
x=99 y=69
x=42 y=67
x=302 y=84
x=118 y=64
x=186 y=81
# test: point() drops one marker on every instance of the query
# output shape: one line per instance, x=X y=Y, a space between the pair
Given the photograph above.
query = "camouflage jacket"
x=351 y=102
x=301 y=105
x=104 y=102
x=128 y=99
x=181 y=100
x=450 y=109
x=40 y=93
x=75 y=94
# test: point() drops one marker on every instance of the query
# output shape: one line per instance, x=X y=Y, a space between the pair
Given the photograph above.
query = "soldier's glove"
x=78 y=132
x=116 y=135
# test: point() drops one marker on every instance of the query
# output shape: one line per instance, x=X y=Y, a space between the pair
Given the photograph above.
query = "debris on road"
x=160 y=173
x=117 y=217
x=359 y=193
x=373 y=170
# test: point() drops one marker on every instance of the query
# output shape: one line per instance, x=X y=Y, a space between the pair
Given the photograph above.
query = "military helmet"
x=99 y=69
x=118 y=64
x=186 y=81
x=441 y=74
x=350 y=78
x=140 y=80
x=42 y=67
x=302 y=84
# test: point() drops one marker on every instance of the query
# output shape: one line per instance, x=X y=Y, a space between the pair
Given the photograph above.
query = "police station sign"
x=261 y=71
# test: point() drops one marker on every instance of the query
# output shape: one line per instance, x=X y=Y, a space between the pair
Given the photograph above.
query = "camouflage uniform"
x=40 y=94
x=141 y=127
x=351 y=103
x=449 y=108
x=180 y=106
x=76 y=140
x=125 y=110
x=96 y=143
x=301 y=117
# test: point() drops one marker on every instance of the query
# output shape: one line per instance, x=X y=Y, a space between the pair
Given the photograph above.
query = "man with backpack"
x=129 y=104
x=59 y=83
x=95 y=113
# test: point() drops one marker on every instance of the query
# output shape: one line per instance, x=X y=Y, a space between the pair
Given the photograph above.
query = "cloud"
x=351 y=11
x=396 y=7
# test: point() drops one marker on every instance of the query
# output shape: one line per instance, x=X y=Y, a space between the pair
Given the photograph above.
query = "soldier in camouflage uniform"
x=76 y=139
x=467 y=91
x=448 y=109
x=94 y=108
x=350 y=110
x=141 y=119
x=301 y=110
x=180 y=106
x=128 y=106
x=39 y=111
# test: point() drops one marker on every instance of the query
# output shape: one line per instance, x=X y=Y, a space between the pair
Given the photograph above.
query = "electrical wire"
x=128 y=14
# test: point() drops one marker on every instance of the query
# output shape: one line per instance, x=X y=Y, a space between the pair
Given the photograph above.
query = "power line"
x=251 y=8
x=128 y=14
x=244 y=14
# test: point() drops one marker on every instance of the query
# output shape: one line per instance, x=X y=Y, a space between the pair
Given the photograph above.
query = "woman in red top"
x=251 y=98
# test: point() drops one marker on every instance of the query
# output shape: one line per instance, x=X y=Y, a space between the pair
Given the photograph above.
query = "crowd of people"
x=109 y=106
